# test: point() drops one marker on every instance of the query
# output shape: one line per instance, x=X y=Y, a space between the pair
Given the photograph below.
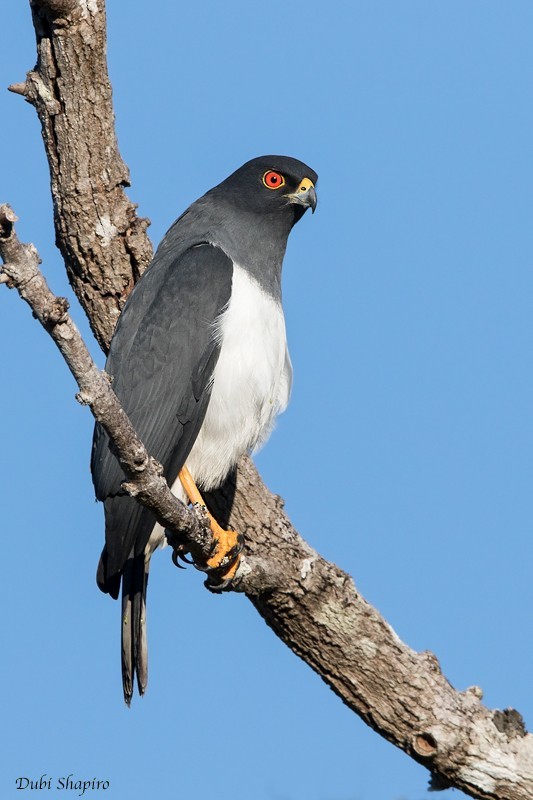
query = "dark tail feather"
x=134 y=642
x=109 y=584
x=139 y=615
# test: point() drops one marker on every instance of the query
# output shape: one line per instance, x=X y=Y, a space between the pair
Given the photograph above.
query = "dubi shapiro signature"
x=70 y=782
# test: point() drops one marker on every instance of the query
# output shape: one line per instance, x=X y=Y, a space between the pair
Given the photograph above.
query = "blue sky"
x=409 y=306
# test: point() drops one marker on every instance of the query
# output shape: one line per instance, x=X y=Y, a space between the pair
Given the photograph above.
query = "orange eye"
x=273 y=180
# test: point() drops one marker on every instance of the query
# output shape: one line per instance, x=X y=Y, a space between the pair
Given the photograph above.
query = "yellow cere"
x=305 y=185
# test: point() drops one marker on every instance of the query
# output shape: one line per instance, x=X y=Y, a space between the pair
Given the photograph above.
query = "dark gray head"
x=249 y=215
x=276 y=185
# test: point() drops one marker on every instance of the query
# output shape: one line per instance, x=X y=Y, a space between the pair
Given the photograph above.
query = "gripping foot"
x=228 y=545
x=223 y=563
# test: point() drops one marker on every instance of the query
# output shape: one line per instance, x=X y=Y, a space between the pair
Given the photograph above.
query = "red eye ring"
x=273 y=179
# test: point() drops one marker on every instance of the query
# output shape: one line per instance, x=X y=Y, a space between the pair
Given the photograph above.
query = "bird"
x=200 y=363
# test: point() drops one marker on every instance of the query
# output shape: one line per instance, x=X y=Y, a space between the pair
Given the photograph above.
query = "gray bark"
x=309 y=603
x=103 y=242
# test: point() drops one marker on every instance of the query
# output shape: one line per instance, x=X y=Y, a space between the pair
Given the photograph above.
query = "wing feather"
x=161 y=359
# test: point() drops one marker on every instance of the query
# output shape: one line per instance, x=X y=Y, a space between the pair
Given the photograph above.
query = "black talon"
x=180 y=552
x=175 y=559
x=218 y=587
x=199 y=567
x=214 y=581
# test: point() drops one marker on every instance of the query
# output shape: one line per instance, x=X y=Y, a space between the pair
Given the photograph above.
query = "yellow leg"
x=191 y=489
x=225 y=541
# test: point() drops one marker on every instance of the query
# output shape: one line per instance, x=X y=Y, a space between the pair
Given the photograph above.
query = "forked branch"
x=310 y=604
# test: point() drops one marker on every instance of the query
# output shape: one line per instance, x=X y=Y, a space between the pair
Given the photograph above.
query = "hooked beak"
x=305 y=195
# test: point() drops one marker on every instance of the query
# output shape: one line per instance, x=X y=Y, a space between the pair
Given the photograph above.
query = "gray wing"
x=161 y=359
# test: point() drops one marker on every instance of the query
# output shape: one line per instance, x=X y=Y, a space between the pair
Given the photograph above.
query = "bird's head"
x=272 y=185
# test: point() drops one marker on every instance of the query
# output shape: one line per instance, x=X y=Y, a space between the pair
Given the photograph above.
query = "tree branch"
x=103 y=242
x=310 y=604
x=144 y=474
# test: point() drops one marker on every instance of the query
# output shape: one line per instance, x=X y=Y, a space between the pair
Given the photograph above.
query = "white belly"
x=251 y=382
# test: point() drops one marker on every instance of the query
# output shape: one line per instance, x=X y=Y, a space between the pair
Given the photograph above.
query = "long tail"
x=134 y=641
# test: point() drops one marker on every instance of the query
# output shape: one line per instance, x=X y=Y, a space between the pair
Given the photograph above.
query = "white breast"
x=251 y=381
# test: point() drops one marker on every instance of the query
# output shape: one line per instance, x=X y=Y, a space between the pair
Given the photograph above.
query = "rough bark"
x=314 y=607
x=310 y=604
x=103 y=242
x=144 y=474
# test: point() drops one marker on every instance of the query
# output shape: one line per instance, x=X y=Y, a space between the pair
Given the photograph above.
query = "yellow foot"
x=223 y=562
x=228 y=545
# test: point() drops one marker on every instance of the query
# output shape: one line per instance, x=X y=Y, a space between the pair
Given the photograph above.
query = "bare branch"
x=310 y=604
x=145 y=481
x=18 y=88
x=102 y=240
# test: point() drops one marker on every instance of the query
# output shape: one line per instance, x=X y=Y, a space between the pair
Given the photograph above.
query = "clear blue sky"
x=409 y=305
